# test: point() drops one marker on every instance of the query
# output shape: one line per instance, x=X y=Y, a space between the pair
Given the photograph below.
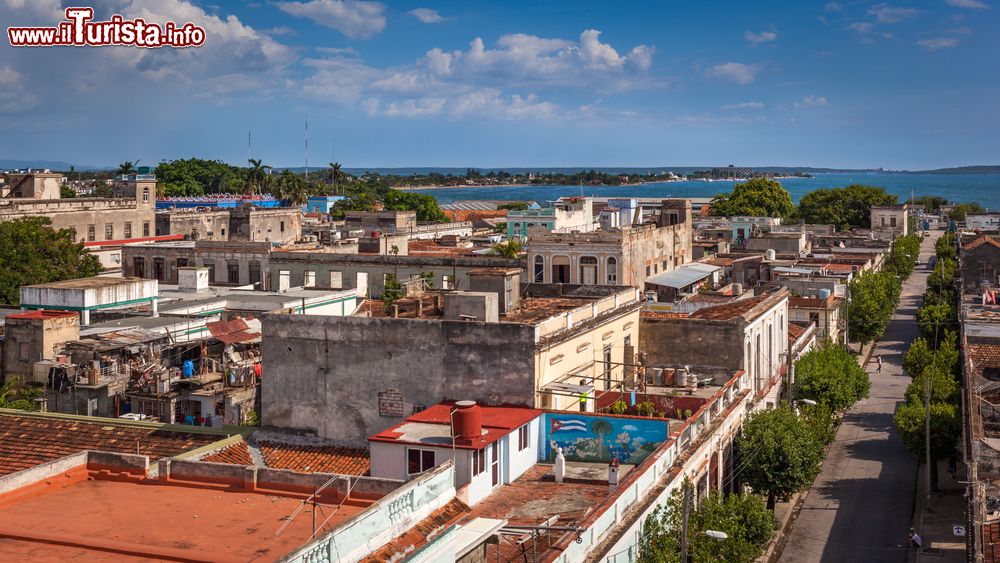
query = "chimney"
x=613 y=475
x=560 y=466
x=467 y=422
x=394 y=311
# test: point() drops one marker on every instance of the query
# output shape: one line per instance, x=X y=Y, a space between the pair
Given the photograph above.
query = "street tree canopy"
x=744 y=518
x=946 y=424
x=874 y=296
x=783 y=454
x=758 y=197
x=844 y=207
x=831 y=376
x=32 y=252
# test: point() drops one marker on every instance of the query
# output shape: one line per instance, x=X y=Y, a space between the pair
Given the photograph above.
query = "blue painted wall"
x=586 y=437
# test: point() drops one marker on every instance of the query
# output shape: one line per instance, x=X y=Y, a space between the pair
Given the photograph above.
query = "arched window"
x=145 y=195
x=612 y=271
x=539 y=269
x=588 y=270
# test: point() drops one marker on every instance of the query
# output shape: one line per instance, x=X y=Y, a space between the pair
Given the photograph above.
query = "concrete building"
x=989 y=222
x=618 y=256
x=749 y=335
x=88 y=295
x=244 y=223
x=126 y=216
x=745 y=227
x=549 y=345
x=228 y=263
x=34 y=336
x=794 y=243
x=322 y=203
x=980 y=263
x=891 y=220
x=566 y=215
x=684 y=281
x=822 y=308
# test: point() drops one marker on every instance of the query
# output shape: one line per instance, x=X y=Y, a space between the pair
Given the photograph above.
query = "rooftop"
x=433 y=426
x=96 y=282
x=535 y=496
x=28 y=440
x=42 y=314
x=729 y=310
x=304 y=458
x=979 y=241
x=683 y=276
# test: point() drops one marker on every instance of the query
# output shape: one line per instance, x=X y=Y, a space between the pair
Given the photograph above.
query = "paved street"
x=861 y=505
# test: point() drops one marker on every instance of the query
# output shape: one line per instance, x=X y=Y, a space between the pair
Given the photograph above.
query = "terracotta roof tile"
x=729 y=310
x=319 y=459
x=29 y=440
x=979 y=241
x=795 y=332
x=236 y=454
x=984 y=356
x=991 y=541
x=420 y=533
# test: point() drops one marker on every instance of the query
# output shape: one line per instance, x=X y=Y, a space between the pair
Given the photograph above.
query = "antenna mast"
x=307 y=147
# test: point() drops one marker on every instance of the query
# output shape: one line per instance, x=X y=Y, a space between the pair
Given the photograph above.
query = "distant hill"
x=56 y=165
x=978 y=169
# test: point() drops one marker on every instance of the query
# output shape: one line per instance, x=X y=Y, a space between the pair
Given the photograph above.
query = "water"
x=980 y=188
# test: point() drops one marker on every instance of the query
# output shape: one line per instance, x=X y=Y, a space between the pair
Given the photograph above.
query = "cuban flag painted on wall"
x=569 y=425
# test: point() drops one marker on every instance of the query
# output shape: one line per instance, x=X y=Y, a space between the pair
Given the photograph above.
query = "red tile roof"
x=983 y=356
x=729 y=310
x=42 y=314
x=316 y=459
x=420 y=533
x=991 y=542
x=795 y=332
x=979 y=241
x=236 y=454
x=30 y=440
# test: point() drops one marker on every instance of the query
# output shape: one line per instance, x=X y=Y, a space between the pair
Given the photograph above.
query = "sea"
x=983 y=189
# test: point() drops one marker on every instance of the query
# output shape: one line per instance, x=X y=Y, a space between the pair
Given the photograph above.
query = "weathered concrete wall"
x=980 y=264
x=706 y=345
x=346 y=378
x=82 y=214
x=198 y=225
x=247 y=223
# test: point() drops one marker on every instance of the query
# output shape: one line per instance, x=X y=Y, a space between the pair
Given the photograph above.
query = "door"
x=495 y=462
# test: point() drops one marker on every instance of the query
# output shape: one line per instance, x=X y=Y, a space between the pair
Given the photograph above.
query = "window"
x=159 y=269
x=495 y=462
x=539 y=269
x=211 y=272
x=522 y=438
x=309 y=278
x=233 y=272
x=337 y=280
x=284 y=280
x=588 y=270
x=24 y=351
x=128 y=230
x=116 y=258
x=612 y=271
x=478 y=462
x=647 y=271
x=145 y=195
x=109 y=231
x=255 y=274
x=281 y=226
x=91 y=236
x=222 y=231
x=607 y=367
x=447 y=282
x=418 y=461
x=182 y=262
x=892 y=221
x=139 y=267
x=145 y=228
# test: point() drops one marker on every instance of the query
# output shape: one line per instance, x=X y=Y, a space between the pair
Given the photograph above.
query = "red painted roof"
x=42 y=314
x=118 y=242
x=507 y=418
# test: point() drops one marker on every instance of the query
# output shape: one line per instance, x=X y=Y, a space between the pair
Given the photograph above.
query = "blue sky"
x=467 y=83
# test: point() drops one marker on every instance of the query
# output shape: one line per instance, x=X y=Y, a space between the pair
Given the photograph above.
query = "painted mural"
x=585 y=437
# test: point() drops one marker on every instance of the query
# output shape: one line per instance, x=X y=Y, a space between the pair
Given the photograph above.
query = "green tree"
x=196 y=177
x=830 y=375
x=783 y=454
x=510 y=248
x=961 y=210
x=757 y=197
x=933 y=319
x=918 y=356
x=66 y=192
x=426 y=206
x=944 y=248
x=844 y=207
x=17 y=396
x=126 y=168
x=32 y=252
x=874 y=296
x=931 y=203
x=744 y=518
x=903 y=256
x=946 y=425
x=257 y=174
x=944 y=387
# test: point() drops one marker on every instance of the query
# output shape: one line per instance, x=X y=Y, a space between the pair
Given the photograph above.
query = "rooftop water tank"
x=824 y=294
x=467 y=421
x=769 y=254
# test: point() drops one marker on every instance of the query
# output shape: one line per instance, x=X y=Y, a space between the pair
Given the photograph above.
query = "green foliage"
x=757 y=197
x=783 y=452
x=645 y=408
x=933 y=319
x=946 y=424
x=944 y=248
x=903 y=256
x=393 y=291
x=510 y=248
x=744 y=518
x=14 y=395
x=251 y=419
x=944 y=387
x=918 y=356
x=844 y=207
x=127 y=167
x=931 y=203
x=426 y=206
x=819 y=419
x=66 y=192
x=874 y=296
x=941 y=281
x=195 y=177
x=830 y=375
x=32 y=252
x=514 y=206
x=959 y=211
x=618 y=407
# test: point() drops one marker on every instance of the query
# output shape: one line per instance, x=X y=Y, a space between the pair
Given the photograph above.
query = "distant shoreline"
x=471 y=186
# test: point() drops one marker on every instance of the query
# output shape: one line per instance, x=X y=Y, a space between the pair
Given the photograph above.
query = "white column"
x=85 y=317
x=156 y=311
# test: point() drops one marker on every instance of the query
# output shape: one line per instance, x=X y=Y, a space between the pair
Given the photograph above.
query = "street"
x=861 y=505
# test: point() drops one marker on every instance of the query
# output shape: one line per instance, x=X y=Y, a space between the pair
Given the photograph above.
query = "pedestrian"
x=879 y=359
x=914 y=537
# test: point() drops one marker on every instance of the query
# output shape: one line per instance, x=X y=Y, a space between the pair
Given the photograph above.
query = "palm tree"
x=510 y=248
x=258 y=174
x=126 y=168
x=336 y=175
x=601 y=428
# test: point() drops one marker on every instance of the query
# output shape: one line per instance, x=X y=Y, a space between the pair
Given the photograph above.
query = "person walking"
x=879 y=359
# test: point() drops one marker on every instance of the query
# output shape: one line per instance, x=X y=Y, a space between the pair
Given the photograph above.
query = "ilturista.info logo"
x=79 y=30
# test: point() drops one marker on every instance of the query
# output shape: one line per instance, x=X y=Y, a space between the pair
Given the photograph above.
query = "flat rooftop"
x=535 y=496
x=96 y=282
x=151 y=521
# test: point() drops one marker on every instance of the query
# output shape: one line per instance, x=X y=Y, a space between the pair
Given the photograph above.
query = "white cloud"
x=937 y=43
x=14 y=97
x=968 y=4
x=884 y=13
x=734 y=72
x=641 y=57
x=861 y=27
x=427 y=15
x=745 y=105
x=811 y=102
x=833 y=7
x=356 y=19
x=757 y=38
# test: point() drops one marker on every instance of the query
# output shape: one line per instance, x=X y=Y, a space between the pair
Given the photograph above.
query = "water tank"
x=654 y=376
x=737 y=289
x=680 y=377
x=467 y=421
x=824 y=294
x=769 y=254
x=187 y=368
x=692 y=380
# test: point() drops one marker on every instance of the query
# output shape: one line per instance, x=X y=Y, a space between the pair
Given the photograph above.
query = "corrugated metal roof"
x=684 y=276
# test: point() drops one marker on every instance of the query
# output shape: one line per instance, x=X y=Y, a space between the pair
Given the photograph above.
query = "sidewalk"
x=936 y=517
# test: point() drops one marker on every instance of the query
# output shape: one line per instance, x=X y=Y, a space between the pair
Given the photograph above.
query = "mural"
x=585 y=437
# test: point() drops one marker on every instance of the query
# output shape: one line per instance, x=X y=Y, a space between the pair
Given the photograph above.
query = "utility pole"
x=686 y=512
x=847 y=318
x=927 y=430
x=791 y=373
